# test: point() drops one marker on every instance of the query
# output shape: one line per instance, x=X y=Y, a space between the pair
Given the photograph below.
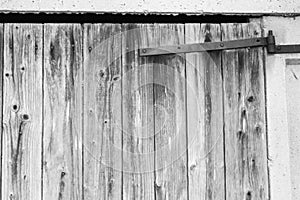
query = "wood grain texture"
x=137 y=112
x=102 y=111
x=170 y=118
x=214 y=122
x=88 y=118
x=62 y=142
x=244 y=104
x=205 y=116
x=22 y=113
x=195 y=115
x=1 y=96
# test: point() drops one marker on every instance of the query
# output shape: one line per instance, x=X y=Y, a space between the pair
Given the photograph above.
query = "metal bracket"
x=268 y=42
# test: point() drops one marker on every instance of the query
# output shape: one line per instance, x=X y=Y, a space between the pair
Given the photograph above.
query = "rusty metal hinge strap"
x=201 y=47
x=268 y=42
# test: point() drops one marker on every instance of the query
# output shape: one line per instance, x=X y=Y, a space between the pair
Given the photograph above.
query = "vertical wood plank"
x=205 y=116
x=244 y=104
x=137 y=103
x=214 y=122
x=170 y=118
x=1 y=98
x=22 y=113
x=102 y=111
x=195 y=116
x=62 y=143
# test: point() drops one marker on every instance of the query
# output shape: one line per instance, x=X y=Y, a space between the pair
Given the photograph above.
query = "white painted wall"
x=293 y=110
x=283 y=111
x=162 y=6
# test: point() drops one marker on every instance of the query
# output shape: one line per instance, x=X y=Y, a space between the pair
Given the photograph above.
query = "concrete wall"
x=146 y=6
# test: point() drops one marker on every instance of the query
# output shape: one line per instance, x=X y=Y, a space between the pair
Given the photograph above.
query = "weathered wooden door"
x=85 y=117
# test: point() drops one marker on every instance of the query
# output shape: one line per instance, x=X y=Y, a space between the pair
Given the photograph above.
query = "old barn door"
x=86 y=117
